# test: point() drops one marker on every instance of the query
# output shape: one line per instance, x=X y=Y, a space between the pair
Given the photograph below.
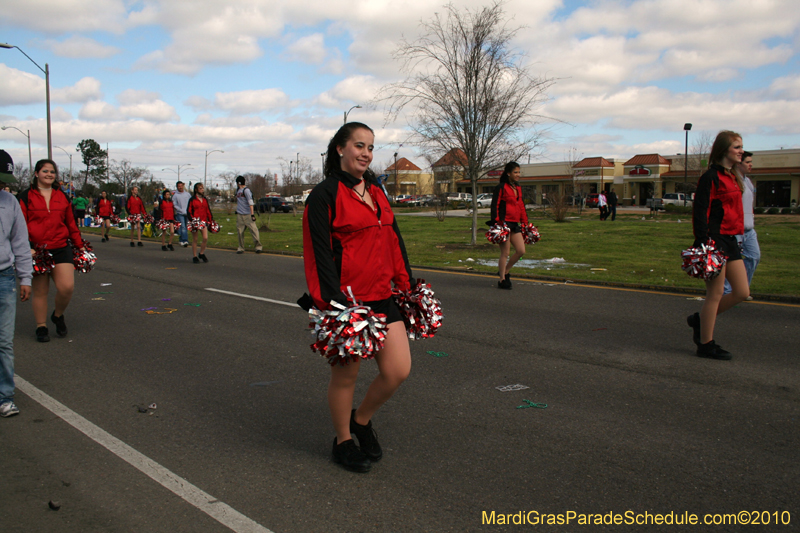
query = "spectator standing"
x=612 y=204
x=181 y=199
x=751 y=251
x=14 y=254
x=245 y=215
x=79 y=203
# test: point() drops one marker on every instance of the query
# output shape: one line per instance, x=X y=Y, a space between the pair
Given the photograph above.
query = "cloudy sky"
x=162 y=81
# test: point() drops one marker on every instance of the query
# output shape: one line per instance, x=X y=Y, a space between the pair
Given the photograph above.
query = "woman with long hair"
x=718 y=214
x=352 y=250
x=104 y=210
x=51 y=224
x=508 y=206
x=135 y=206
x=167 y=210
x=199 y=209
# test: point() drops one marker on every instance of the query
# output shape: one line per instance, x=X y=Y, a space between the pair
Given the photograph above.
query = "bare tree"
x=469 y=90
x=124 y=173
x=21 y=172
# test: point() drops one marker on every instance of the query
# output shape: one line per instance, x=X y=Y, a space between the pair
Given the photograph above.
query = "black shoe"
x=171 y=249
x=163 y=248
x=133 y=245
x=505 y=284
x=367 y=438
x=203 y=257
x=259 y=251
x=349 y=456
x=239 y=251
x=508 y=277
x=195 y=260
x=712 y=350
x=61 y=326
x=694 y=323
x=139 y=243
x=42 y=334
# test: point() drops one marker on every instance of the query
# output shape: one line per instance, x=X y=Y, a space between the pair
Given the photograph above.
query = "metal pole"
x=685 y=166
x=47 y=88
x=30 y=158
x=205 y=171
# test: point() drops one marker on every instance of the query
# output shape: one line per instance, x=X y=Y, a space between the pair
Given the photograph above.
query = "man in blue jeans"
x=180 y=199
x=15 y=250
x=751 y=251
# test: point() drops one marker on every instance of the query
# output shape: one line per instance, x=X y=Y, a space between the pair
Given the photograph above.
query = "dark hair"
x=39 y=164
x=196 y=185
x=179 y=183
x=240 y=180
x=507 y=170
x=720 y=147
x=102 y=193
x=333 y=160
x=747 y=154
x=165 y=193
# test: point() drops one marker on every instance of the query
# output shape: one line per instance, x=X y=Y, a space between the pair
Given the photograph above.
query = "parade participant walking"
x=167 y=209
x=508 y=206
x=602 y=203
x=612 y=200
x=181 y=199
x=751 y=251
x=104 y=210
x=135 y=206
x=199 y=209
x=14 y=255
x=718 y=215
x=351 y=244
x=48 y=213
x=245 y=215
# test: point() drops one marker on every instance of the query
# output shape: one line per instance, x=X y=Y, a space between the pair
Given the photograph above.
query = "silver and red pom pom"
x=421 y=310
x=134 y=219
x=114 y=219
x=164 y=224
x=498 y=233
x=196 y=224
x=148 y=219
x=98 y=220
x=344 y=334
x=213 y=226
x=85 y=259
x=704 y=262
x=530 y=233
x=43 y=262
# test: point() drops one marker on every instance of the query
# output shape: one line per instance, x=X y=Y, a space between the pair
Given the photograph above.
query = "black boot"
x=694 y=323
x=712 y=350
x=349 y=456
x=367 y=438
x=61 y=326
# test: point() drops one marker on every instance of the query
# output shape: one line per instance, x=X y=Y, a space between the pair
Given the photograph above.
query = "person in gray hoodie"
x=15 y=251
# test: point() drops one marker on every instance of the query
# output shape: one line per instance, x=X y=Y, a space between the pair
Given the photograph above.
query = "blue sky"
x=162 y=81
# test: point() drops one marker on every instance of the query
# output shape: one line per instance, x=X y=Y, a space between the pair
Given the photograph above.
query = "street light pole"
x=70 y=161
x=205 y=168
x=179 y=170
x=46 y=71
x=348 y=112
x=686 y=128
x=396 y=185
x=30 y=158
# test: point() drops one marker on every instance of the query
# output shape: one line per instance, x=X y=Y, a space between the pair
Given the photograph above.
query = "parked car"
x=676 y=198
x=273 y=204
x=592 y=200
x=484 y=200
x=409 y=201
x=459 y=197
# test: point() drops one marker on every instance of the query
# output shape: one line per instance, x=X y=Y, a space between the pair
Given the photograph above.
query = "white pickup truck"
x=670 y=198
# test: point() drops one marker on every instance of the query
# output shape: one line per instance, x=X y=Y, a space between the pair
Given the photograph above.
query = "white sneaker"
x=8 y=409
x=749 y=298
x=184 y=244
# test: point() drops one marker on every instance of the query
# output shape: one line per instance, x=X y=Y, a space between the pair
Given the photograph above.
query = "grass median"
x=627 y=250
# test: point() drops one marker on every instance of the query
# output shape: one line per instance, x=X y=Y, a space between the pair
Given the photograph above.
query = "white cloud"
x=787 y=86
x=61 y=16
x=136 y=96
x=20 y=88
x=245 y=102
x=59 y=114
x=309 y=49
x=81 y=47
x=99 y=111
x=358 y=89
x=84 y=90
x=153 y=111
x=198 y=103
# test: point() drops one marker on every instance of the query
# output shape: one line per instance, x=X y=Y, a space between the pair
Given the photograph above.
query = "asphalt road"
x=634 y=420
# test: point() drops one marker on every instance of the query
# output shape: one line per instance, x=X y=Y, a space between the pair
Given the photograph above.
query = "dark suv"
x=273 y=204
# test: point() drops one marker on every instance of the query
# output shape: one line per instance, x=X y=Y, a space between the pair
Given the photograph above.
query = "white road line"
x=219 y=511
x=290 y=304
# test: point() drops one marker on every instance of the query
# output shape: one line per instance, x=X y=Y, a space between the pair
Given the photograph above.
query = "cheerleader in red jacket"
x=717 y=213
x=508 y=206
x=104 y=209
x=167 y=209
x=48 y=213
x=135 y=206
x=351 y=242
x=199 y=208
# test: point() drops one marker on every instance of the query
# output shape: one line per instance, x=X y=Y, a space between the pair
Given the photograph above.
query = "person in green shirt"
x=79 y=204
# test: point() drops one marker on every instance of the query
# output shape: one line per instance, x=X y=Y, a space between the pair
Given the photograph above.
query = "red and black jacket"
x=167 y=210
x=135 y=206
x=508 y=204
x=717 y=208
x=50 y=227
x=198 y=208
x=104 y=207
x=348 y=245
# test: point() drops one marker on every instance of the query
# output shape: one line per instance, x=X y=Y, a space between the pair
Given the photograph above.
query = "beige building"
x=404 y=177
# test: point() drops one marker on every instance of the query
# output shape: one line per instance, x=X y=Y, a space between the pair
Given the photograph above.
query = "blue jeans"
x=751 y=255
x=8 y=313
x=182 y=232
